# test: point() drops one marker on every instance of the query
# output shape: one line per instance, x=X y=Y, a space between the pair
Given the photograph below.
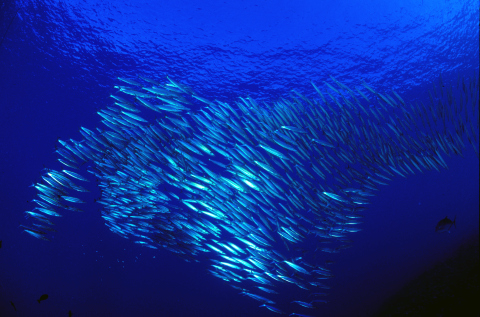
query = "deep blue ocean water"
x=59 y=61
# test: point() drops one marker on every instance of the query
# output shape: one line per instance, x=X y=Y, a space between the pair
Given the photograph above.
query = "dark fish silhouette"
x=43 y=297
x=445 y=225
x=0 y=244
x=13 y=305
x=70 y=313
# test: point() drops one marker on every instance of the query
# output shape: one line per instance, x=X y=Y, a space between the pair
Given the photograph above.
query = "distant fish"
x=70 y=313
x=13 y=305
x=43 y=297
x=0 y=244
x=445 y=225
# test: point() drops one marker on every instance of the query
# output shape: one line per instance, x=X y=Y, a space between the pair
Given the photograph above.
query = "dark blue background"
x=58 y=65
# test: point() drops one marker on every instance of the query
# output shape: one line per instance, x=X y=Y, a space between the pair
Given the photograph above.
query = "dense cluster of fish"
x=269 y=190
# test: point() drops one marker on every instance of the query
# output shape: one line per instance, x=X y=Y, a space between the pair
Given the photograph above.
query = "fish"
x=70 y=313
x=259 y=187
x=304 y=304
x=13 y=305
x=274 y=309
x=297 y=268
x=445 y=224
x=0 y=244
x=43 y=297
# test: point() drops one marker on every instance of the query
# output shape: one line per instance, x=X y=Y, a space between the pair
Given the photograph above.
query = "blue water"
x=59 y=62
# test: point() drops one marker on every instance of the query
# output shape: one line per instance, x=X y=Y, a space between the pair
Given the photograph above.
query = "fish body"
x=445 y=224
x=274 y=309
x=43 y=297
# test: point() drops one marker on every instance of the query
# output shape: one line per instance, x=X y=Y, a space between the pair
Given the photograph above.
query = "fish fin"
x=454 y=222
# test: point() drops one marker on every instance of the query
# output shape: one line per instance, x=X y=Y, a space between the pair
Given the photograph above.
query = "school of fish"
x=269 y=191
